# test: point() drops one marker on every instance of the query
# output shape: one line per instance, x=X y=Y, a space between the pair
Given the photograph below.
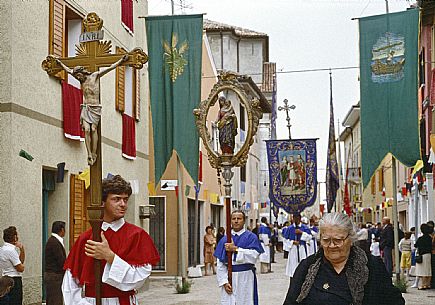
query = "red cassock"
x=130 y=243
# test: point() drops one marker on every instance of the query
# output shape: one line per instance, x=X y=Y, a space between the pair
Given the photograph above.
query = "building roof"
x=214 y=26
x=250 y=85
x=352 y=116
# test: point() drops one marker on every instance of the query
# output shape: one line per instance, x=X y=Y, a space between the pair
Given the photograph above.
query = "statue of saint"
x=91 y=108
x=227 y=126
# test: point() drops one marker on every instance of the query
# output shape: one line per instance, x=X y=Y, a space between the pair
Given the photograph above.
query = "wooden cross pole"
x=93 y=54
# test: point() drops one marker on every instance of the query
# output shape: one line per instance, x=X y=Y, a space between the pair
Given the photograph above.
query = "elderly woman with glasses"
x=341 y=273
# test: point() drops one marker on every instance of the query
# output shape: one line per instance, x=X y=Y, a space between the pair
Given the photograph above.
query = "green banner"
x=388 y=84
x=175 y=56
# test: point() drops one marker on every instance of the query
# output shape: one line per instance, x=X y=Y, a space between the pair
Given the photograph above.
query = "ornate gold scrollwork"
x=50 y=66
x=92 y=22
x=228 y=81
x=139 y=58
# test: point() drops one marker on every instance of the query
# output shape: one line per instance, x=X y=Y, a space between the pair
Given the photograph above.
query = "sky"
x=303 y=35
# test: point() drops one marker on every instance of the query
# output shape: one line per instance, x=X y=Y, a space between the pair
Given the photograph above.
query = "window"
x=127 y=89
x=157 y=229
x=80 y=198
x=243 y=173
x=64 y=32
x=242 y=117
x=127 y=15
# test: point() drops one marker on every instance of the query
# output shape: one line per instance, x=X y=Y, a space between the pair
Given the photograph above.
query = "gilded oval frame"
x=228 y=82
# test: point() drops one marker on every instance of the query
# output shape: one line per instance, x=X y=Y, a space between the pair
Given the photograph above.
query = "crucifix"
x=287 y=108
x=91 y=55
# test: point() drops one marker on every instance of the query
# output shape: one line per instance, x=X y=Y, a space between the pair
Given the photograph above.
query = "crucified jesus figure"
x=91 y=108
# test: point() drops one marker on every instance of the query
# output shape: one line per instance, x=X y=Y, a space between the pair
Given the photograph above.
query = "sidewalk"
x=272 y=290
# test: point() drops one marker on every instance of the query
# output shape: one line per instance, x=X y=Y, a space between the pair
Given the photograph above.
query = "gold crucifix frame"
x=92 y=54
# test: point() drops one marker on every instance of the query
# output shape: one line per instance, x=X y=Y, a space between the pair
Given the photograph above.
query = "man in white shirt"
x=126 y=252
x=245 y=249
x=12 y=263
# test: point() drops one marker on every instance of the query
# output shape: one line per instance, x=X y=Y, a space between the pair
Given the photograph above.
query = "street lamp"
x=287 y=108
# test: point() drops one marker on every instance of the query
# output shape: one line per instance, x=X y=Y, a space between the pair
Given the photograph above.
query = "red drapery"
x=128 y=137
x=127 y=14
x=72 y=98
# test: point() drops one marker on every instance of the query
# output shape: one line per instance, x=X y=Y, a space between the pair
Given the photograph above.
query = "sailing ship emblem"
x=174 y=58
x=388 y=58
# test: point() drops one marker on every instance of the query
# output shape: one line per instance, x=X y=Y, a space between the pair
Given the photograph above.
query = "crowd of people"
x=329 y=261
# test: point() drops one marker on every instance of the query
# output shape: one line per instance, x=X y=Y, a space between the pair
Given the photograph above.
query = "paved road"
x=272 y=290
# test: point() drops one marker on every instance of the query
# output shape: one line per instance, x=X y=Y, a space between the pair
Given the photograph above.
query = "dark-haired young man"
x=12 y=263
x=126 y=252
x=53 y=264
x=245 y=248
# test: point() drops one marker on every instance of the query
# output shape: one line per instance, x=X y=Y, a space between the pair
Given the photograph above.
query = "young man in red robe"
x=126 y=252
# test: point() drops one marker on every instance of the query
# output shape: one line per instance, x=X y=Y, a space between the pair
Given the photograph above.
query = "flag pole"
x=395 y=216
x=339 y=201
x=181 y=245
x=395 y=220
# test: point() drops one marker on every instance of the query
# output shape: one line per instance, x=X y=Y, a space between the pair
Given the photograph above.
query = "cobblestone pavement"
x=272 y=290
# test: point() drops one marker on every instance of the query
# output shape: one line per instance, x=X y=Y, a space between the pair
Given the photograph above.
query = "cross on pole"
x=287 y=108
x=93 y=54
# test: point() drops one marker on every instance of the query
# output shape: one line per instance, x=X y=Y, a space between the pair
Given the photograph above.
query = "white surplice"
x=243 y=282
x=264 y=238
x=293 y=259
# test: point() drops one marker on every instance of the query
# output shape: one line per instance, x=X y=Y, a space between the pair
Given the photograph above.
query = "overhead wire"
x=301 y=71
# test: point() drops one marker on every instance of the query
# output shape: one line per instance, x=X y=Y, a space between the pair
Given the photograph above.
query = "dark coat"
x=378 y=289
x=54 y=256
x=387 y=237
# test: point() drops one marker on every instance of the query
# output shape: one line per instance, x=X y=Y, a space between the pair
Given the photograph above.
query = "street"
x=272 y=290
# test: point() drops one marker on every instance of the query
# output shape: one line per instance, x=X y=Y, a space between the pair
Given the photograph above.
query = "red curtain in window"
x=128 y=137
x=127 y=14
x=72 y=98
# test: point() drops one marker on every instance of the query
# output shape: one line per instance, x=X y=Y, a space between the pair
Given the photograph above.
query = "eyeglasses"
x=338 y=242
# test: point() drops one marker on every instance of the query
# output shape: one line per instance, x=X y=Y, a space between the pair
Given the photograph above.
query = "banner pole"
x=227 y=173
x=395 y=220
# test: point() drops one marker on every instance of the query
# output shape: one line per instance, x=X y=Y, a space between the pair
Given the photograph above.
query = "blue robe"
x=244 y=277
x=247 y=240
x=297 y=252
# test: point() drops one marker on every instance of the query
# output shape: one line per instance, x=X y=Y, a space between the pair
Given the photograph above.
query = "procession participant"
x=245 y=248
x=285 y=241
x=314 y=230
x=298 y=235
x=126 y=253
x=264 y=235
x=340 y=273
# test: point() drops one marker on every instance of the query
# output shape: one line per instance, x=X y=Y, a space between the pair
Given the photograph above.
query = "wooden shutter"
x=56 y=28
x=136 y=97
x=56 y=32
x=381 y=179
x=373 y=185
x=79 y=199
x=120 y=84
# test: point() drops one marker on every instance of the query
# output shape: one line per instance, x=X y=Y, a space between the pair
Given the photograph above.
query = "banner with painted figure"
x=292 y=173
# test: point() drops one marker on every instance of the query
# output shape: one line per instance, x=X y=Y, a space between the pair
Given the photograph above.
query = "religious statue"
x=227 y=126
x=91 y=108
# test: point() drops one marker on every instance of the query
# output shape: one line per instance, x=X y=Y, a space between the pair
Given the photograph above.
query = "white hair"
x=339 y=220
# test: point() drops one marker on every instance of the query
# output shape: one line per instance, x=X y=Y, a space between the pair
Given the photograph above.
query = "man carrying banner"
x=298 y=235
x=246 y=248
